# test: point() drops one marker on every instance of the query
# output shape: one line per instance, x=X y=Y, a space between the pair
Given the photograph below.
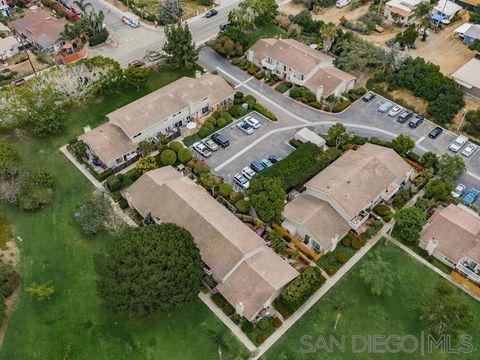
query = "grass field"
x=267 y=31
x=54 y=249
x=364 y=314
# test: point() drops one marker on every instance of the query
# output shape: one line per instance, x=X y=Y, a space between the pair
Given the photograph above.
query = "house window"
x=306 y=240
x=137 y=135
x=179 y=123
x=176 y=114
x=205 y=110
x=316 y=246
x=284 y=67
x=301 y=77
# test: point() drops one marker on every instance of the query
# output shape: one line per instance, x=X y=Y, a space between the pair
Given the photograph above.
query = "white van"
x=342 y=3
x=130 y=19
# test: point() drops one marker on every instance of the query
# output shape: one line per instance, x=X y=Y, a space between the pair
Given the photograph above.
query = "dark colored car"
x=211 y=13
x=415 y=122
x=273 y=159
x=369 y=96
x=257 y=166
x=435 y=132
x=18 y=82
x=221 y=140
x=405 y=116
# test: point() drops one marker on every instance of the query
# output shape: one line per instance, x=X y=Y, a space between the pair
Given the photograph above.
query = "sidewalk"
x=430 y=266
x=329 y=283
x=226 y=320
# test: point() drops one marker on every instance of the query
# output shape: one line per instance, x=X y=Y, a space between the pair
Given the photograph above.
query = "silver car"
x=469 y=149
x=241 y=181
x=248 y=172
x=202 y=149
x=210 y=144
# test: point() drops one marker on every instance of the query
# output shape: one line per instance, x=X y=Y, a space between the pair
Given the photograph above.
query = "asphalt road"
x=129 y=44
x=360 y=118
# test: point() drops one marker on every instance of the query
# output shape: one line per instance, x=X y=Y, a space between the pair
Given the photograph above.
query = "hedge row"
x=300 y=289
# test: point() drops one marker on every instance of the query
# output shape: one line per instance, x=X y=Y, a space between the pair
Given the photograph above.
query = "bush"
x=382 y=210
x=225 y=189
x=242 y=206
x=99 y=38
x=265 y=112
x=175 y=146
x=276 y=322
x=331 y=269
x=316 y=105
x=221 y=123
x=236 y=318
x=302 y=287
x=283 y=87
x=341 y=106
x=237 y=111
x=190 y=140
x=184 y=155
x=252 y=70
x=356 y=243
x=238 y=95
x=260 y=339
x=300 y=165
x=123 y=203
x=236 y=61
x=227 y=117
x=114 y=183
x=401 y=198
x=168 y=157
x=347 y=240
x=295 y=143
x=260 y=75
x=281 y=308
x=247 y=326
x=342 y=257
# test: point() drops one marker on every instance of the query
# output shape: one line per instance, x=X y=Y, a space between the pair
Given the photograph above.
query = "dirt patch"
x=331 y=14
x=25 y=69
x=11 y=253
x=417 y=103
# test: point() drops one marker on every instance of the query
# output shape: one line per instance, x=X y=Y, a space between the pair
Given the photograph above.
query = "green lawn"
x=365 y=314
x=267 y=31
x=53 y=249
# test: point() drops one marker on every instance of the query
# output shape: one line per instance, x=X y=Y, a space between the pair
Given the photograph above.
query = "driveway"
x=360 y=118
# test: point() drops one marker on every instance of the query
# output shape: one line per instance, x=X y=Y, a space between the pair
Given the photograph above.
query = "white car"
x=252 y=122
x=248 y=172
x=394 y=111
x=202 y=149
x=210 y=144
x=241 y=181
x=245 y=127
x=342 y=3
x=469 y=149
x=458 y=191
x=458 y=143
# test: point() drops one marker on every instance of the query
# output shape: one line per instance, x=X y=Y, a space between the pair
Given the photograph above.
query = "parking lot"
x=245 y=148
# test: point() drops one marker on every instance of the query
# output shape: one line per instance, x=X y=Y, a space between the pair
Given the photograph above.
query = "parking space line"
x=420 y=140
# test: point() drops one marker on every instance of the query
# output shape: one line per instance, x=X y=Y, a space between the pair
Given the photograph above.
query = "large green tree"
x=179 y=47
x=438 y=189
x=377 y=273
x=430 y=160
x=402 y=144
x=267 y=195
x=409 y=223
x=451 y=167
x=444 y=312
x=263 y=11
x=152 y=270
x=92 y=213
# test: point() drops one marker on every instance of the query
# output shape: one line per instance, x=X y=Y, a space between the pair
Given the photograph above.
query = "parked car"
x=210 y=144
x=153 y=55
x=458 y=191
x=458 y=143
x=18 y=82
x=342 y=3
x=471 y=196
x=211 y=13
x=435 y=132
x=416 y=121
x=250 y=120
x=273 y=159
x=265 y=162
x=394 y=111
x=407 y=114
x=422 y=31
x=245 y=127
x=248 y=172
x=221 y=140
x=224 y=26
x=385 y=107
x=136 y=63
x=130 y=19
x=241 y=181
x=257 y=166
x=369 y=96
x=202 y=149
x=469 y=149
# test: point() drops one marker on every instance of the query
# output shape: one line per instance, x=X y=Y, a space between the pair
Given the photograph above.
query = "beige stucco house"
x=294 y=61
x=339 y=198
x=163 y=112
x=249 y=274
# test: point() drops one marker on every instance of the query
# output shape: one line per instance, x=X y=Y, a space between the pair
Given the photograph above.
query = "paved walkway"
x=329 y=283
x=98 y=185
x=226 y=320
x=432 y=267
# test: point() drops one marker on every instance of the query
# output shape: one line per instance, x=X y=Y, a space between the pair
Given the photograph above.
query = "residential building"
x=452 y=235
x=164 y=112
x=444 y=11
x=401 y=11
x=471 y=34
x=301 y=65
x=41 y=29
x=8 y=47
x=339 y=197
x=248 y=273
x=468 y=77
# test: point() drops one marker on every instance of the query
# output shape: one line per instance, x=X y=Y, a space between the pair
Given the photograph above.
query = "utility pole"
x=19 y=37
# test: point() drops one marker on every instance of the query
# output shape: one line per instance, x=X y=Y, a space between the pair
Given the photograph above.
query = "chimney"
x=431 y=246
x=319 y=93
